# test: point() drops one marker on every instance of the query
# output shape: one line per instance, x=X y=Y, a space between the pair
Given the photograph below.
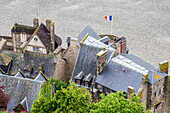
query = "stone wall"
x=60 y=68
x=71 y=55
x=66 y=61
x=156 y=97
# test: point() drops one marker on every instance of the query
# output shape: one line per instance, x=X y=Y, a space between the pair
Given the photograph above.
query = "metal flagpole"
x=111 y=27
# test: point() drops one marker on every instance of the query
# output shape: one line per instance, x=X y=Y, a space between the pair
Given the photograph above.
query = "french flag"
x=108 y=18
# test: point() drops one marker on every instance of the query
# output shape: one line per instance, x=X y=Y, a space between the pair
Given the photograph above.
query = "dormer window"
x=79 y=78
x=35 y=39
x=88 y=80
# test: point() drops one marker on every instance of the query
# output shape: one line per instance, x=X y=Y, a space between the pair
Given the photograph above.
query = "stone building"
x=110 y=68
x=66 y=60
x=39 y=38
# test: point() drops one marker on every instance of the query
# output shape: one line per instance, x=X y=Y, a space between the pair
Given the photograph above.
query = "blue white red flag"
x=108 y=18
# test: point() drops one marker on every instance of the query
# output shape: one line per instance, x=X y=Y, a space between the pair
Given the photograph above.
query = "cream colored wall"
x=41 y=50
x=23 y=37
x=9 y=43
x=36 y=43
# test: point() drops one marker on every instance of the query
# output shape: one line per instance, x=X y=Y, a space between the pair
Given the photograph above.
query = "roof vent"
x=123 y=70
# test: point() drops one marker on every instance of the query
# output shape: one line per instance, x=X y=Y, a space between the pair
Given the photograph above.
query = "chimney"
x=48 y=22
x=52 y=36
x=130 y=90
x=52 y=89
x=163 y=66
x=101 y=60
x=35 y=22
x=144 y=78
x=68 y=41
x=121 y=45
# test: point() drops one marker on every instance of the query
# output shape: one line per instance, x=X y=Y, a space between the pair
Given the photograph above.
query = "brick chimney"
x=163 y=66
x=48 y=22
x=101 y=60
x=52 y=36
x=130 y=90
x=121 y=45
x=35 y=22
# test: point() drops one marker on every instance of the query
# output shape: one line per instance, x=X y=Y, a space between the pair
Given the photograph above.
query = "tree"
x=72 y=99
x=44 y=102
x=116 y=103
x=4 y=98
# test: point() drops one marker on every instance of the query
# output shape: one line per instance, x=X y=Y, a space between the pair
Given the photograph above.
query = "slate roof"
x=114 y=78
x=86 y=59
x=140 y=62
x=91 y=32
x=23 y=28
x=19 y=88
x=23 y=105
x=20 y=61
x=44 y=35
x=4 y=60
x=155 y=76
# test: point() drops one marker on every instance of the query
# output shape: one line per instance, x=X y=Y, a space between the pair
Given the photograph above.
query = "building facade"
x=107 y=67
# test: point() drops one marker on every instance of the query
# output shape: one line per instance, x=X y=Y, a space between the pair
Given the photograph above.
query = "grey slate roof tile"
x=91 y=32
x=20 y=61
x=152 y=76
x=86 y=59
x=140 y=62
x=19 y=88
x=114 y=78
x=23 y=28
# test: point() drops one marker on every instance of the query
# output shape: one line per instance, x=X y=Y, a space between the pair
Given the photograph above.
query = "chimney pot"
x=163 y=66
x=35 y=22
x=48 y=22
x=123 y=70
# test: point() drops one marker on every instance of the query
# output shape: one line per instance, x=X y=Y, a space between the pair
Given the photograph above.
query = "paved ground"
x=146 y=23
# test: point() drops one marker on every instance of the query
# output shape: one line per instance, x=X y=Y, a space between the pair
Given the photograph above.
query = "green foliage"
x=58 y=84
x=44 y=102
x=116 y=103
x=72 y=100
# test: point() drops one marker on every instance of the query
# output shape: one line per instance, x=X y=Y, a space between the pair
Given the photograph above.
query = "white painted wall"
x=36 y=43
x=23 y=37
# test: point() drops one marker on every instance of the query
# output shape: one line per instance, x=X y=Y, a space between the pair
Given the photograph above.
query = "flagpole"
x=111 y=27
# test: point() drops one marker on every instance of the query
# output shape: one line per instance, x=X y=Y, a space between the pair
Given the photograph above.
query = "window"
x=35 y=49
x=35 y=39
x=86 y=84
x=21 y=43
x=107 y=91
x=155 y=95
x=159 y=91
